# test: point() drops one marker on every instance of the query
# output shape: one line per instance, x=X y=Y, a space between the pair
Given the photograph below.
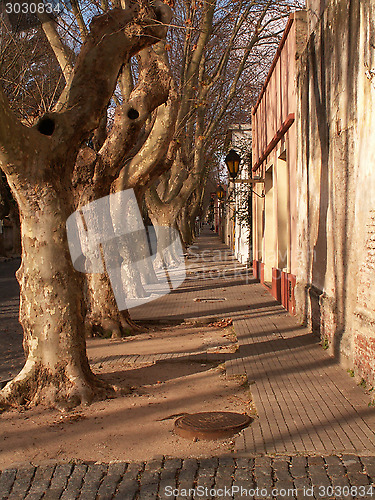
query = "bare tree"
x=224 y=51
x=52 y=172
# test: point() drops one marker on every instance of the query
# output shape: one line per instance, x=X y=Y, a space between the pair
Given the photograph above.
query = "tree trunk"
x=108 y=293
x=165 y=224
x=103 y=316
x=168 y=255
x=51 y=312
x=186 y=230
x=128 y=271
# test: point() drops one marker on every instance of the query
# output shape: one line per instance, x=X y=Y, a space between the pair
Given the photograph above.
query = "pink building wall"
x=274 y=137
x=278 y=98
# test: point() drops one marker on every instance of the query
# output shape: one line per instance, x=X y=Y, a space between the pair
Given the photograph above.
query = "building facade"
x=314 y=151
x=336 y=182
x=274 y=164
x=238 y=207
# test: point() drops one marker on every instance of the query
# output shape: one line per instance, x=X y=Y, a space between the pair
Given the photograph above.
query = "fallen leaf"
x=222 y=323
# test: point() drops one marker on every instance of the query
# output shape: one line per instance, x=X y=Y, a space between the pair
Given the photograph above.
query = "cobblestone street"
x=257 y=478
x=314 y=432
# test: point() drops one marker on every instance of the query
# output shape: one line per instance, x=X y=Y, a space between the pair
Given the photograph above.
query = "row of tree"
x=106 y=97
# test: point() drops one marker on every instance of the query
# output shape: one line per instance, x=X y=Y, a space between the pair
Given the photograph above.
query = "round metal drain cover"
x=211 y=424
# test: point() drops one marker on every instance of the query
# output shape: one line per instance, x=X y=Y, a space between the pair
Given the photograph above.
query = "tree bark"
x=186 y=230
x=164 y=219
x=155 y=86
x=166 y=231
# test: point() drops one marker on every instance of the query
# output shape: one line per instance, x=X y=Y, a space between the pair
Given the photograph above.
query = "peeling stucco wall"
x=336 y=182
x=315 y=9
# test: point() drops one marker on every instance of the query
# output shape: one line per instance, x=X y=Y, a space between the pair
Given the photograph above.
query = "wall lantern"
x=220 y=192
x=233 y=163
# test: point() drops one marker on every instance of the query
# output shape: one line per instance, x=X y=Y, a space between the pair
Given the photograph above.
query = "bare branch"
x=193 y=66
x=152 y=90
x=149 y=160
x=59 y=49
x=178 y=176
x=114 y=37
x=79 y=18
x=211 y=126
x=220 y=69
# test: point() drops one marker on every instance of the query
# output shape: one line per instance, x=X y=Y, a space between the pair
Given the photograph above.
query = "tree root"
x=63 y=388
x=111 y=327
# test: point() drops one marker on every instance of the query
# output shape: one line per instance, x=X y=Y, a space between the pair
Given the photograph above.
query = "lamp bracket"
x=248 y=181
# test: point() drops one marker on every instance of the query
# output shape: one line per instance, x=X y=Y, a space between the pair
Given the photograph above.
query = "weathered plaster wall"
x=336 y=183
x=315 y=9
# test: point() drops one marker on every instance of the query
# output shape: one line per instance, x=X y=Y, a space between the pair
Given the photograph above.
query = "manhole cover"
x=210 y=299
x=211 y=424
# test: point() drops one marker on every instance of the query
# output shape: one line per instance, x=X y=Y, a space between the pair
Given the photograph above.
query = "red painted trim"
x=256 y=269
x=276 y=58
x=284 y=289
x=276 y=284
x=262 y=273
x=278 y=136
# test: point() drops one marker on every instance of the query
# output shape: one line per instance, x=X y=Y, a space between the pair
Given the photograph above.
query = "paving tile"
x=73 y=487
x=22 y=483
x=59 y=481
x=306 y=402
x=41 y=482
x=129 y=484
x=110 y=481
x=261 y=477
x=7 y=479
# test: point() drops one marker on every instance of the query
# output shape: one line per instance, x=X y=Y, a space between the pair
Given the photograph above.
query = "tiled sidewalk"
x=306 y=403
